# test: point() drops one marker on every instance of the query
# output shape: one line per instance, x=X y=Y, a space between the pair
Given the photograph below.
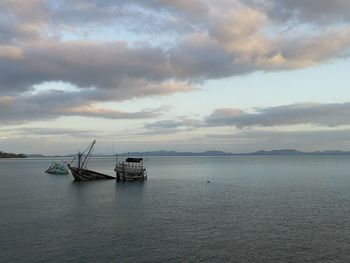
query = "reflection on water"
x=255 y=209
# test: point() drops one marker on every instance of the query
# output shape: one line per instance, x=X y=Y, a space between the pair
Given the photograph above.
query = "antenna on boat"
x=79 y=159
x=115 y=154
x=113 y=149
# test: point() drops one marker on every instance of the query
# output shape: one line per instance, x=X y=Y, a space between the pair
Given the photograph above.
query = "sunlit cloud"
x=61 y=59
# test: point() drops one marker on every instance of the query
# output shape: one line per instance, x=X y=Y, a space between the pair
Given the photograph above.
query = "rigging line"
x=87 y=155
x=113 y=149
x=88 y=158
x=114 y=153
x=75 y=157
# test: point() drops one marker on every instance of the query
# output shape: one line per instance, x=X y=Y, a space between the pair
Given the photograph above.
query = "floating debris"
x=57 y=168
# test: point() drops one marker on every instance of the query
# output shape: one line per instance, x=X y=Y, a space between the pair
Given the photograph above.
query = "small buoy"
x=208 y=182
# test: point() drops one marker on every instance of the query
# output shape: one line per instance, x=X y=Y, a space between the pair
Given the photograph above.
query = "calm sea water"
x=255 y=209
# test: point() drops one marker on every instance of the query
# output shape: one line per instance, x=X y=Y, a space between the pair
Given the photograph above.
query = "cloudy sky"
x=187 y=75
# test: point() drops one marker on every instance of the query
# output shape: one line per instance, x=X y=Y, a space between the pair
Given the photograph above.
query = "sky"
x=184 y=75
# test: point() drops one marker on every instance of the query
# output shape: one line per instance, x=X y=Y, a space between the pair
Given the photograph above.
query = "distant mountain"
x=282 y=152
x=12 y=155
x=35 y=155
x=279 y=152
x=174 y=153
x=295 y=152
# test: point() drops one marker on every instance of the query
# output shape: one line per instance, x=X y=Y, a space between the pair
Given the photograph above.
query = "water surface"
x=255 y=209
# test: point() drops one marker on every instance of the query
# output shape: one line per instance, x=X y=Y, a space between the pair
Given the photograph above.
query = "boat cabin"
x=134 y=160
x=131 y=169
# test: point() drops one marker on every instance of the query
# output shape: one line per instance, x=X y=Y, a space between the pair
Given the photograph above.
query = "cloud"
x=253 y=140
x=50 y=132
x=322 y=115
x=241 y=141
x=93 y=111
x=166 y=124
x=312 y=11
x=330 y=115
x=230 y=39
x=50 y=41
x=226 y=39
x=53 y=104
x=171 y=126
x=84 y=64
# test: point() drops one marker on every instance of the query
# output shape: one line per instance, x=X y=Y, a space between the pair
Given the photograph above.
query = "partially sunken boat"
x=81 y=173
x=57 y=168
x=132 y=169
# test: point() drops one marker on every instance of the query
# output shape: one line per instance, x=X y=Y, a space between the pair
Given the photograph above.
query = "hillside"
x=11 y=155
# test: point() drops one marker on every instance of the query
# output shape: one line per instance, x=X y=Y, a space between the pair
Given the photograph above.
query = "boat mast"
x=79 y=159
x=87 y=155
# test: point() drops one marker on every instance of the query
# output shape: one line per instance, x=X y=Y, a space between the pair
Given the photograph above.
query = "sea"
x=191 y=209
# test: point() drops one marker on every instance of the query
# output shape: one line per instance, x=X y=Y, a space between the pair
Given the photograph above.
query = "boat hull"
x=130 y=174
x=80 y=174
x=55 y=172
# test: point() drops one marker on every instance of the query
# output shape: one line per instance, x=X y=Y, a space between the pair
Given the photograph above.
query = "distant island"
x=283 y=152
x=12 y=155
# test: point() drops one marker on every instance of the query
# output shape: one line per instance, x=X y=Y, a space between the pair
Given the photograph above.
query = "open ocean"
x=255 y=209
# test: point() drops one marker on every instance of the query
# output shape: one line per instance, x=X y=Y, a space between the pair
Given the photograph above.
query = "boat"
x=131 y=169
x=80 y=172
x=58 y=168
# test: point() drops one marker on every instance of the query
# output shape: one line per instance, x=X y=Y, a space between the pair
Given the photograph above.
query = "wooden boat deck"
x=81 y=174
